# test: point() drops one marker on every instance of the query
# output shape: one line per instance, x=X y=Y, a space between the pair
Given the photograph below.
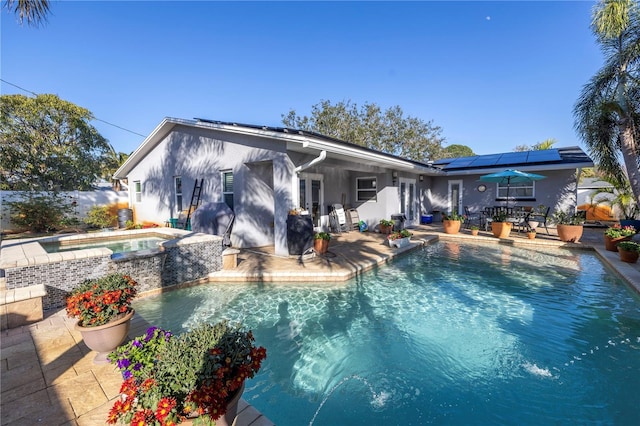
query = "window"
x=177 y=185
x=366 y=189
x=137 y=189
x=227 y=188
x=517 y=190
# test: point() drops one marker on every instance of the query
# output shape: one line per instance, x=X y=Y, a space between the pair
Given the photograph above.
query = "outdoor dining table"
x=519 y=216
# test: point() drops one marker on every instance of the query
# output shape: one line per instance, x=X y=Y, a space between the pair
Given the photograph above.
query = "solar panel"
x=513 y=158
x=460 y=162
x=486 y=160
x=544 y=155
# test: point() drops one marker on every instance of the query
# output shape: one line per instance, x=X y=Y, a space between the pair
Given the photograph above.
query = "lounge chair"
x=338 y=219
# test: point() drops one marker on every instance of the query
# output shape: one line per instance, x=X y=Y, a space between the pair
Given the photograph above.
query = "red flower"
x=165 y=405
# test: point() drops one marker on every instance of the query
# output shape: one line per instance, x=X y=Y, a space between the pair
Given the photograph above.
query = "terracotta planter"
x=611 y=244
x=451 y=226
x=569 y=233
x=229 y=416
x=531 y=235
x=321 y=246
x=474 y=232
x=501 y=229
x=386 y=229
x=105 y=338
x=628 y=256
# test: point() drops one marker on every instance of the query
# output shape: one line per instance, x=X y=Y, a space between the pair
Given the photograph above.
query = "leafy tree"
x=457 y=151
x=48 y=144
x=33 y=11
x=387 y=131
x=607 y=113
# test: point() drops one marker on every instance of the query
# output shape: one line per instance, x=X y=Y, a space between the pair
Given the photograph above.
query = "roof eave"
x=146 y=146
x=301 y=139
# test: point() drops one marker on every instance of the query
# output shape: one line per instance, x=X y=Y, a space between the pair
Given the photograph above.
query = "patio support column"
x=283 y=170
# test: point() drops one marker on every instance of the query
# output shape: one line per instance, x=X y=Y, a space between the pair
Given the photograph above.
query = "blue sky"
x=493 y=75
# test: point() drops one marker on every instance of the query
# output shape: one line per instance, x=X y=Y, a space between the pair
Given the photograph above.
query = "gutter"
x=318 y=159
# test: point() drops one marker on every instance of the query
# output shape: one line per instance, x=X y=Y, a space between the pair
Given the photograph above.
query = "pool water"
x=116 y=246
x=449 y=334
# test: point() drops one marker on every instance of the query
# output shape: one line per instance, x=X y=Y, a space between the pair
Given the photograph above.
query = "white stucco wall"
x=261 y=173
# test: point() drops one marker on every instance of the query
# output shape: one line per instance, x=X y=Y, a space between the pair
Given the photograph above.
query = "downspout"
x=318 y=159
x=294 y=188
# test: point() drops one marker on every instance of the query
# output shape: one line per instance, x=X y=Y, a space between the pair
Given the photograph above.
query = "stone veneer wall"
x=59 y=278
x=189 y=262
x=180 y=262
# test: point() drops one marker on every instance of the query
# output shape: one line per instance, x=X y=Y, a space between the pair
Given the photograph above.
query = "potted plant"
x=474 y=230
x=321 y=242
x=170 y=379
x=615 y=234
x=620 y=196
x=569 y=226
x=386 y=226
x=452 y=222
x=400 y=238
x=629 y=251
x=103 y=309
x=500 y=226
x=531 y=234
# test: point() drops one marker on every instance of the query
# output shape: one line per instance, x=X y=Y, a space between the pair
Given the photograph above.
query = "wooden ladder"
x=195 y=200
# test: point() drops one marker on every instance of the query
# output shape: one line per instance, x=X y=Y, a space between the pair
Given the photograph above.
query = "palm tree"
x=607 y=112
x=545 y=144
x=110 y=163
x=33 y=11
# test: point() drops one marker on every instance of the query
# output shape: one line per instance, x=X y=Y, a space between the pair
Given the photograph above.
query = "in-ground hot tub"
x=116 y=245
x=179 y=257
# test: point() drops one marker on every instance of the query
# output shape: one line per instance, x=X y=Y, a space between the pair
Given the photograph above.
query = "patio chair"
x=472 y=218
x=540 y=218
x=338 y=219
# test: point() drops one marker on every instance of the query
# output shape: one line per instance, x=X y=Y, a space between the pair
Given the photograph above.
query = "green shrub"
x=100 y=217
x=41 y=212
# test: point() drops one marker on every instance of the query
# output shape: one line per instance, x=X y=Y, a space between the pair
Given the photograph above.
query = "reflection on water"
x=448 y=334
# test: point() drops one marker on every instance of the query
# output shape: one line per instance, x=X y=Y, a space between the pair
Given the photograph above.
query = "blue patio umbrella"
x=509 y=177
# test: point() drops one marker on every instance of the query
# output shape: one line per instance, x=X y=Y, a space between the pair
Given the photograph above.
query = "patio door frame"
x=408 y=200
x=450 y=194
x=308 y=179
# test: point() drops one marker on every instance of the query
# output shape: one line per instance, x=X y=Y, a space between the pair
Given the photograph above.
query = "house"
x=461 y=187
x=263 y=172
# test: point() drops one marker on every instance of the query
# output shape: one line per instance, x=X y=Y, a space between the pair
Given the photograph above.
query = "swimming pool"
x=450 y=334
x=120 y=245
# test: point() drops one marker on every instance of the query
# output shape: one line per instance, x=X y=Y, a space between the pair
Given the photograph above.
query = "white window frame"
x=502 y=188
x=137 y=191
x=450 y=203
x=374 y=188
x=225 y=193
x=178 y=192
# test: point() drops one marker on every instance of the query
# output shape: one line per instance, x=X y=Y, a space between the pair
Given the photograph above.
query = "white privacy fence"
x=84 y=200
